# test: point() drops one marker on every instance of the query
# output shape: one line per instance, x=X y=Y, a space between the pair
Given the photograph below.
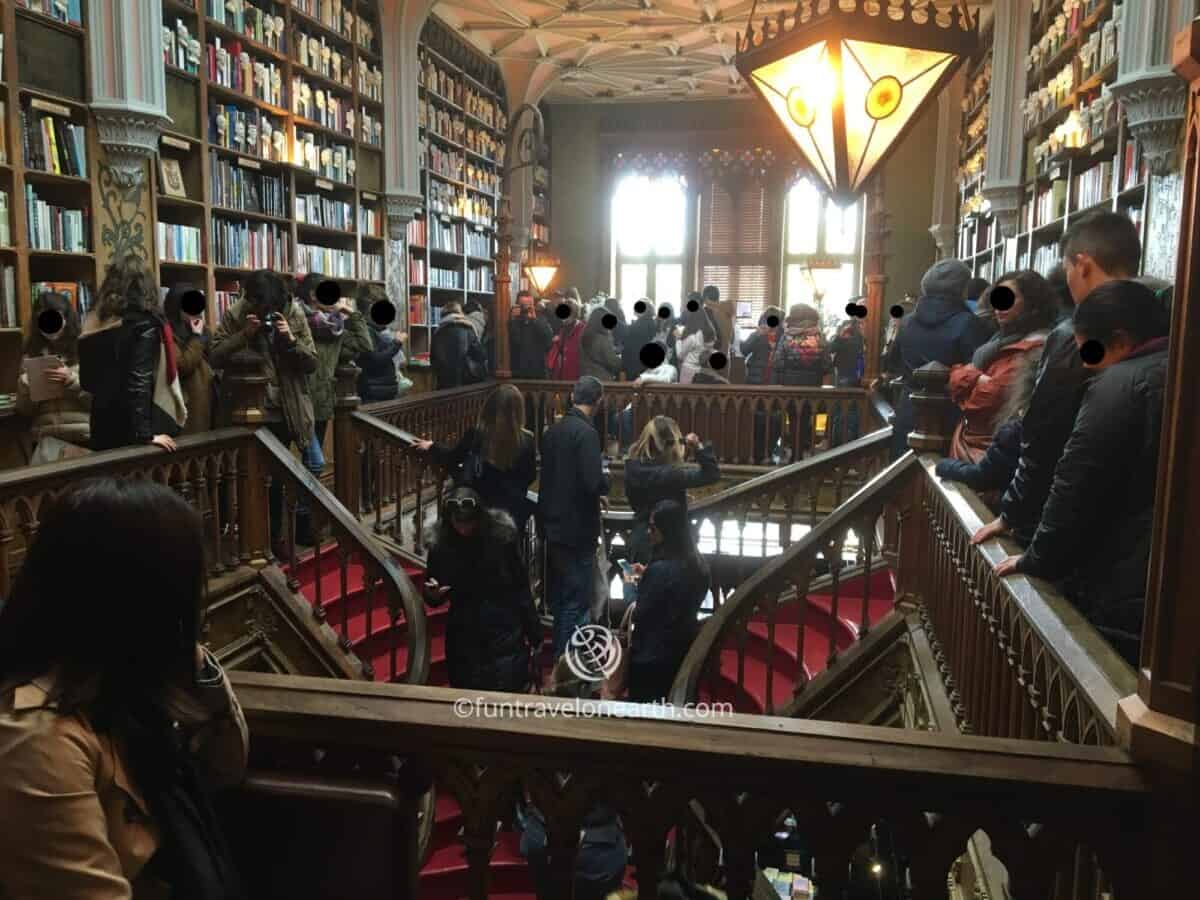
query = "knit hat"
x=587 y=391
x=946 y=278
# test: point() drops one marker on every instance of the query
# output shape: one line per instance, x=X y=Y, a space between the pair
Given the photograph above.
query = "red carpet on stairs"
x=444 y=876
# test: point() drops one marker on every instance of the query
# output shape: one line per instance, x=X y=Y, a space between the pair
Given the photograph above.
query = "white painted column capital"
x=1006 y=138
x=129 y=98
x=1153 y=97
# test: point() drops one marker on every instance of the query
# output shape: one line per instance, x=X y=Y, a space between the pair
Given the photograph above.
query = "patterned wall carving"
x=124 y=216
x=1162 y=228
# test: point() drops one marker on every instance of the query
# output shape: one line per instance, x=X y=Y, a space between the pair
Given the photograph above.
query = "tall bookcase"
x=44 y=83
x=277 y=140
x=1079 y=155
x=462 y=123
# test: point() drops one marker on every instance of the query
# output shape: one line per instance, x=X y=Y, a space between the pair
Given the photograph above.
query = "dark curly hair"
x=1041 y=301
x=128 y=287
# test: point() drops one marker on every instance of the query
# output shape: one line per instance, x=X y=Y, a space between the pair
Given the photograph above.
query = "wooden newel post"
x=247 y=384
x=347 y=449
x=934 y=412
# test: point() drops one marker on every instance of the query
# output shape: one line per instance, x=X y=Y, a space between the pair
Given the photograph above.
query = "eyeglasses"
x=462 y=504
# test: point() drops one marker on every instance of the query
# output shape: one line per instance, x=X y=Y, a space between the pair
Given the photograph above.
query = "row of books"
x=237 y=187
x=445 y=236
x=337 y=16
x=226 y=298
x=316 y=209
x=1092 y=186
x=250 y=245
x=437 y=159
x=372 y=267
x=248 y=131
x=322 y=107
x=483 y=144
x=254 y=22
x=323 y=58
x=181 y=48
x=57 y=228
x=51 y=141
x=479 y=279
x=8 y=298
x=440 y=121
x=416 y=271
x=1049 y=205
x=1045 y=258
x=232 y=67
x=479 y=245
x=416 y=309
x=370 y=81
x=323 y=156
x=370 y=222
x=539 y=232
x=370 y=128
x=481 y=179
x=325 y=260
x=178 y=243
x=417 y=232
x=69 y=11
x=445 y=278
x=1133 y=164
x=3 y=114
x=78 y=293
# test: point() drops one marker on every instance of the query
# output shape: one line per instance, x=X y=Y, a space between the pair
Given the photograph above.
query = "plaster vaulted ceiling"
x=618 y=49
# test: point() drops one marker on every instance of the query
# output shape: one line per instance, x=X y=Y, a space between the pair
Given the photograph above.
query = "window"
x=822 y=252
x=649 y=225
x=735 y=244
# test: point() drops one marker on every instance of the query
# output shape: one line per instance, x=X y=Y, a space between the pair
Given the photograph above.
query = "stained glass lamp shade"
x=847 y=83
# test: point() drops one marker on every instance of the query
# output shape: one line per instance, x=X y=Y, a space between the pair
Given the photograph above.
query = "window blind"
x=737 y=245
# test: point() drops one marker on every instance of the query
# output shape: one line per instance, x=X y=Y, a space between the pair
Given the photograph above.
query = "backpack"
x=562 y=360
x=796 y=352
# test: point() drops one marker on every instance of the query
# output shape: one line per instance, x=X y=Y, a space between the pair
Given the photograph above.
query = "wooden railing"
x=382 y=745
x=1018 y=659
x=225 y=475
x=741 y=420
x=779 y=591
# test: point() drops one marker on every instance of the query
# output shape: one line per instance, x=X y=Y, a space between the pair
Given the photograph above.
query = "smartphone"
x=626 y=570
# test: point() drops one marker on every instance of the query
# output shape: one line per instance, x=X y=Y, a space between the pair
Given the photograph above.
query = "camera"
x=274 y=318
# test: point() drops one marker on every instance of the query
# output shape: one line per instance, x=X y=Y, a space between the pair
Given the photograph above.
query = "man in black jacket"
x=529 y=339
x=455 y=353
x=1097 y=249
x=573 y=480
x=637 y=336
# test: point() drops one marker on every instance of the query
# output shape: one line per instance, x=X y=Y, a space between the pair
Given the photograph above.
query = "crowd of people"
x=1058 y=413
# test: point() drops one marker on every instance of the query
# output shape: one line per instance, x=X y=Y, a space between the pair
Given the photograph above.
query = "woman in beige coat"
x=54 y=331
x=110 y=710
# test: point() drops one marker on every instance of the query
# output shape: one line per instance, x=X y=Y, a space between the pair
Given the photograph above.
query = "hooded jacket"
x=492 y=624
x=378 y=381
x=982 y=394
x=334 y=347
x=791 y=366
x=287 y=364
x=455 y=353
x=1097 y=520
x=758 y=350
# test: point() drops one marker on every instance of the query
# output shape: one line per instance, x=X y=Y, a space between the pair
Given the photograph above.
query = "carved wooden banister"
x=744 y=772
x=779 y=590
x=1019 y=659
x=392 y=603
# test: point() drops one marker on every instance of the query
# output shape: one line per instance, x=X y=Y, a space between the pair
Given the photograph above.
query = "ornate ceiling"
x=618 y=49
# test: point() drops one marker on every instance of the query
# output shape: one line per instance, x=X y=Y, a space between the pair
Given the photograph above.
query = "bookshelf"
x=462 y=123
x=48 y=165
x=1079 y=155
x=277 y=144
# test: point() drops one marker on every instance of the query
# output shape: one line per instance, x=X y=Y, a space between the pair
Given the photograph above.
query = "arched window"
x=822 y=252
x=649 y=229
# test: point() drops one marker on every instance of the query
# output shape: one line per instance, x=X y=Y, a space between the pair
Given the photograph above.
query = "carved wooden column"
x=933 y=410
x=875 y=277
x=247 y=383
x=1006 y=137
x=347 y=448
x=1163 y=714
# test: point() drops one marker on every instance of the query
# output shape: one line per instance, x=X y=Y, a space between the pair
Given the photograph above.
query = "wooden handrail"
x=404 y=602
x=791 y=574
x=835 y=779
x=1024 y=661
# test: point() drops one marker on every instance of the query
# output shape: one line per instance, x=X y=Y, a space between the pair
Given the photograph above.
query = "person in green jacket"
x=340 y=333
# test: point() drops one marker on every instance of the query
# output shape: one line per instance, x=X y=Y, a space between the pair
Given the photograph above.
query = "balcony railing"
x=316 y=740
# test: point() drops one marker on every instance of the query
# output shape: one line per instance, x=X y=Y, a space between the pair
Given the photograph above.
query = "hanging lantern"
x=848 y=78
x=541 y=267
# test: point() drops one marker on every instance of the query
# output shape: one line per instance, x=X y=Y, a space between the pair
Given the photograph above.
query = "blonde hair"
x=502 y=424
x=660 y=442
